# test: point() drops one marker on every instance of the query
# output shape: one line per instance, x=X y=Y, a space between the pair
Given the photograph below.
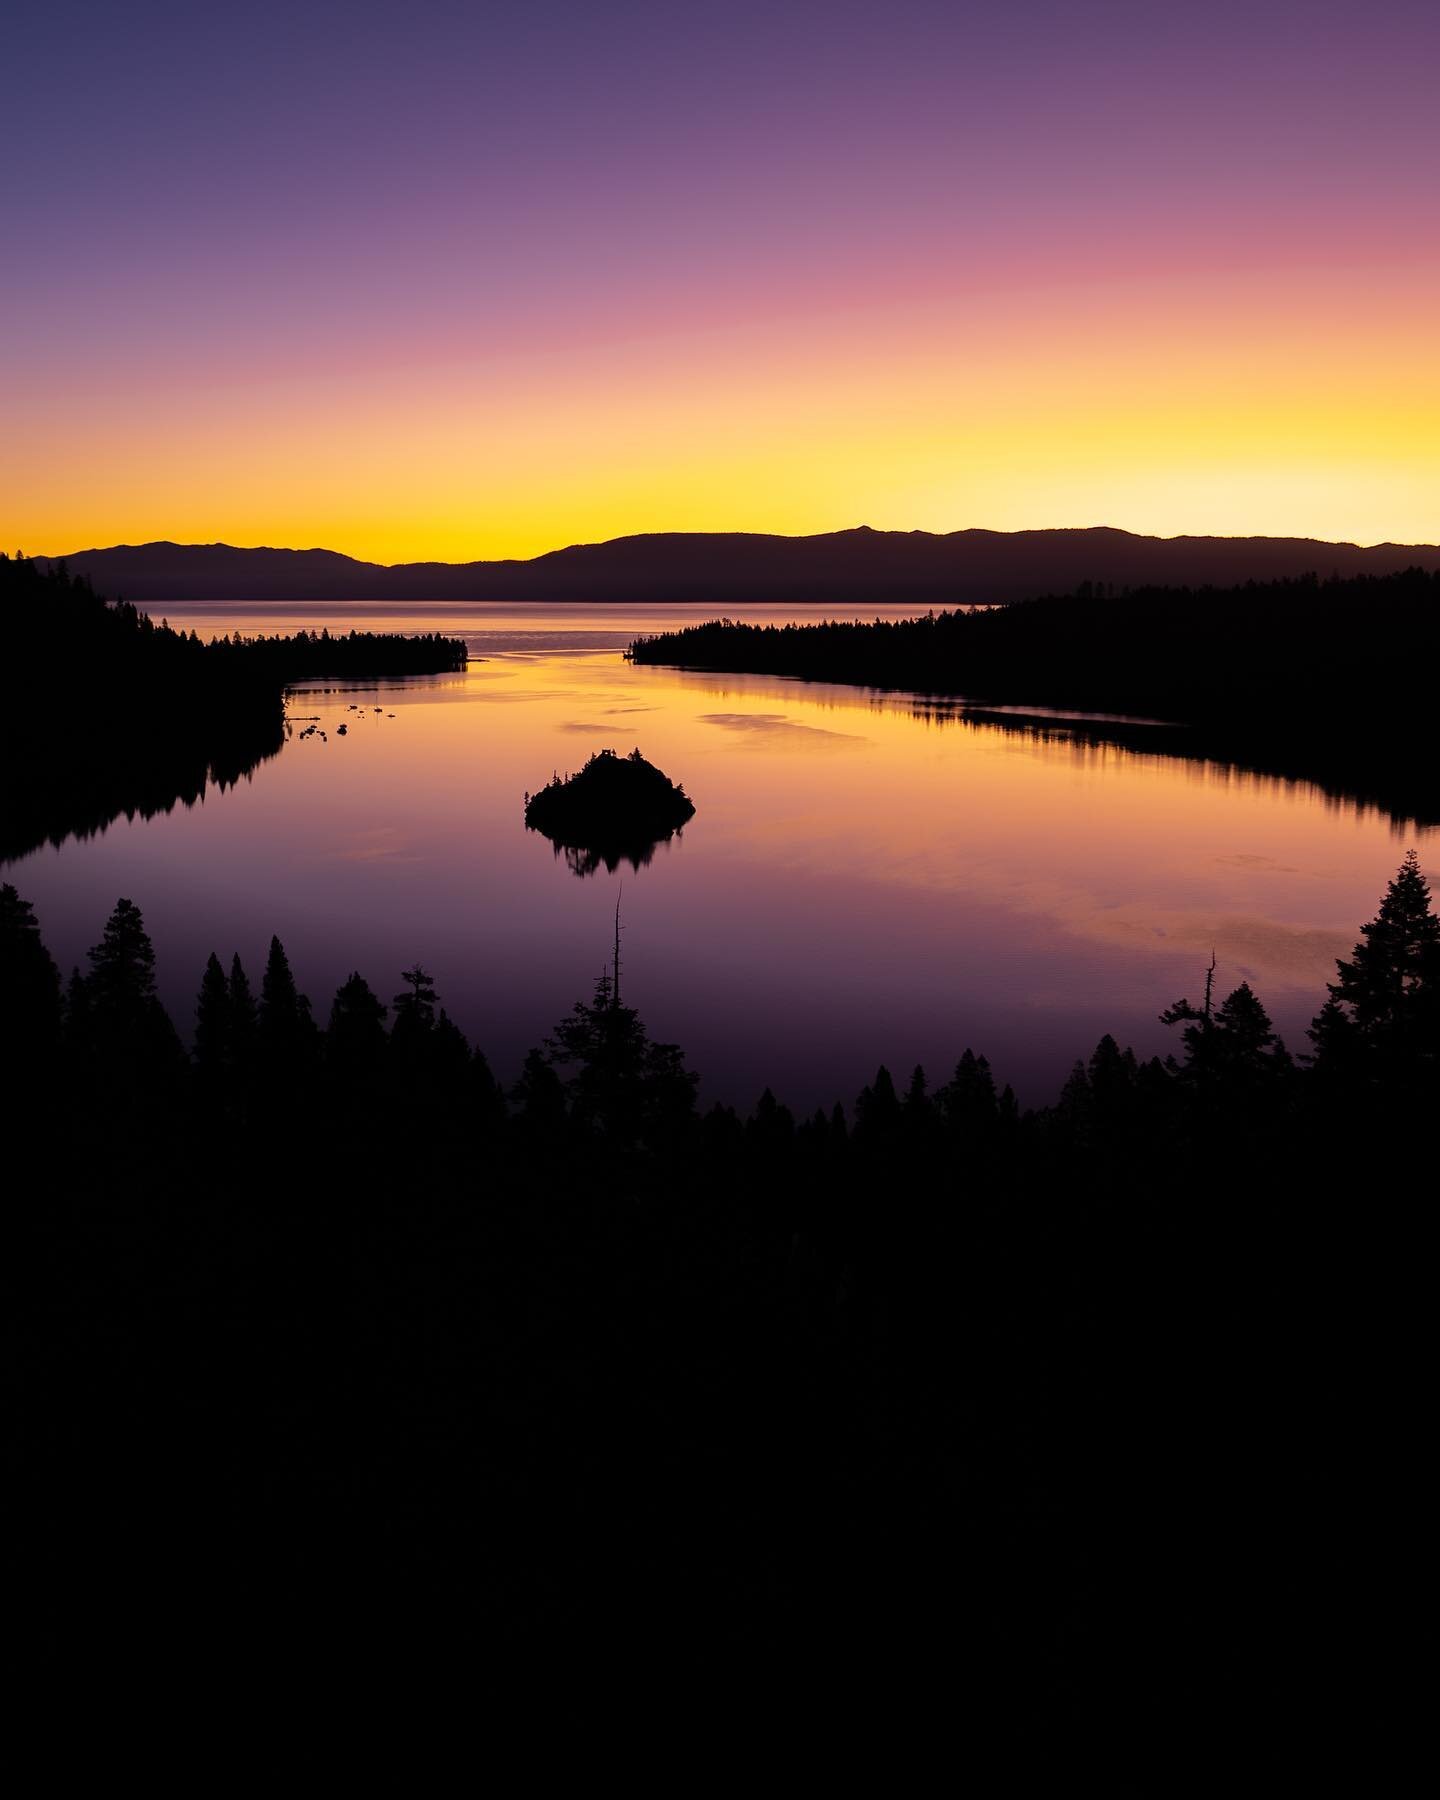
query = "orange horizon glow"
x=1215 y=413
x=1174 y=274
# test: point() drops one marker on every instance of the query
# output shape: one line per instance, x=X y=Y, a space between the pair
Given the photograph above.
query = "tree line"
x=118 y=714
x=1302 y=677
x=330 y=1353
x=50 y=613
x=1377 y=1033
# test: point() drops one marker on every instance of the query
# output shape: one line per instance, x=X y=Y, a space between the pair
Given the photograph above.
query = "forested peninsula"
x=109 y=712
x=1307 y=678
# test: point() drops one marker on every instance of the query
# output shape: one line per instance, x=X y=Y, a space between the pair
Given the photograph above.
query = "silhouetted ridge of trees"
x=330 y=1357
x=1305 y=677
x=111 y=713
x=354 y=655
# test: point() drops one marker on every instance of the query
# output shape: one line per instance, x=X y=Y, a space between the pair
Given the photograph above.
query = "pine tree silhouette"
x=1339 y=1045
x=486 y=1107
x=1388 y=993
x=877 y=1107
x=122 y=964
x=212 y=1020
x=119 y=1022
x=1076 y=1107
x=619 y=1083
x=770 y=1131
x=415 y=1008
x=29 y=988
x=355 y=1040
x=967 y=1102
x=285 y=1029
x=539 y=1097
x=244 y=1019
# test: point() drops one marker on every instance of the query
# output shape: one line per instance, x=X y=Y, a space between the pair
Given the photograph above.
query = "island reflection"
x=583 y=862
x=1038 y=886
x=615 y=809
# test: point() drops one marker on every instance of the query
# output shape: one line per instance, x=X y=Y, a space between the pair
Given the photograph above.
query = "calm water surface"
x=859 y=883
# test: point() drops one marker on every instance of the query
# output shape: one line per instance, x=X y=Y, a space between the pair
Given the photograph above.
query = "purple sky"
x=461 y=215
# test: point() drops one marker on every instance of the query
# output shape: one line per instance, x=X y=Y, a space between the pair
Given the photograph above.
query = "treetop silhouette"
x=1383 y=1014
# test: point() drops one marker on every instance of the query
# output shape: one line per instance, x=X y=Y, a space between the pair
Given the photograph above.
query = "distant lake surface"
x=863 y=880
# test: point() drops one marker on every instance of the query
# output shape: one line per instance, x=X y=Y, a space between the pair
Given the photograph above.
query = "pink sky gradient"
x=456 y=281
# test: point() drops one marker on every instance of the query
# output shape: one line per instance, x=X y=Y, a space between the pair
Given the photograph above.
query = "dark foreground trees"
x=1380 y=1027
x=327 y=1358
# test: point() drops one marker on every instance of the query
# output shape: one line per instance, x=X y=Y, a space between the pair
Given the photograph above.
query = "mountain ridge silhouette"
x=858 y=565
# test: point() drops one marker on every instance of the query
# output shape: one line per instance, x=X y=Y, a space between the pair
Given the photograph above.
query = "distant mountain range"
x=732 y=568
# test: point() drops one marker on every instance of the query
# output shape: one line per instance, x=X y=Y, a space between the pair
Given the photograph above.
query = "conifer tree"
x=1339 y=1053
x=877 y=1107
x=1389 y=990
x=1245 y=1031
x=539 y=1097
x=29 y=987
x=1231 y=1054
x=487 y=1103
x=355 y=1041
x=212 y=1019
x=449 y=1055
x=444 y=1065
x=285 y=1028
x=77 y=1013
x=415 y=1008
x=278 y=998
x=1112 y=1070
x=1199 y=1025
x=244 y=1016
x=619 y=1083
x=919 y=1120
x=411 y=1037
x=281 y=1005
x=967 y=1101
x=917 y=1098
x=1077 y=1100
x=722 y=1136
x=128 y=1033
x=122 y=964
x=770 y=1130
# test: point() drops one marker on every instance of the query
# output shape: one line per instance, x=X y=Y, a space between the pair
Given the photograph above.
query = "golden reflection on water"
x=865 y=877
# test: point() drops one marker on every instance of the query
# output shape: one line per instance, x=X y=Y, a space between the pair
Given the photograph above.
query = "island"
x=616 y=807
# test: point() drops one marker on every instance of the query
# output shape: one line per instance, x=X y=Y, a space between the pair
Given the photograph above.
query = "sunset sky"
x=464 y=280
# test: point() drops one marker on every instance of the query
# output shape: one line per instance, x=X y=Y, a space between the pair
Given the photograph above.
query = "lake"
x=863 y=880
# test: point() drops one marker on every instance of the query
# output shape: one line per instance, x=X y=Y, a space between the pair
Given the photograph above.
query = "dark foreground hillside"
x=331 y=1360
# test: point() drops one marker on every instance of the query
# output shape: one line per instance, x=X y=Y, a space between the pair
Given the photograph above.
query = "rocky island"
x=615 y=807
